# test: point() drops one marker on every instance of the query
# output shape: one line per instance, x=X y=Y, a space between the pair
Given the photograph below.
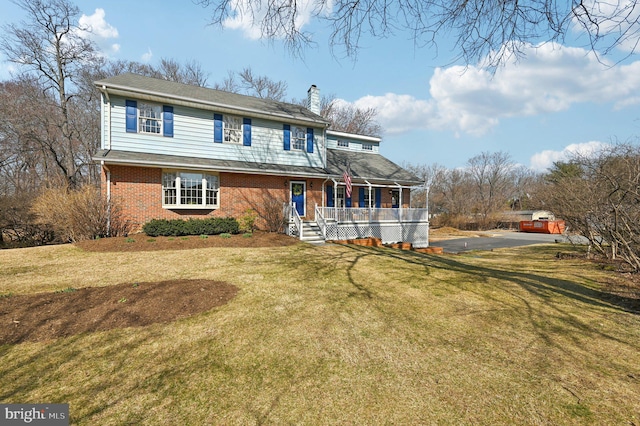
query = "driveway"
x=501 y=239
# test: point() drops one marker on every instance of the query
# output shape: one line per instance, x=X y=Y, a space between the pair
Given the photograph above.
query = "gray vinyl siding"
x=354 y=144
x=193 y=137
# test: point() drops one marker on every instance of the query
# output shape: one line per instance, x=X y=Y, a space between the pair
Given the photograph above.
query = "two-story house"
x=171 y=150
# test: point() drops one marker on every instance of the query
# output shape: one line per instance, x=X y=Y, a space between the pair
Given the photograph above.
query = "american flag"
x=347 y=180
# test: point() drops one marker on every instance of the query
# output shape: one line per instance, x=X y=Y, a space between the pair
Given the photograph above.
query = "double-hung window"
x=149 y=118
x=367 y=146
x=298 y=138
x=232 y=129
x=343 y=143
x=190 y=190
x=145 y=117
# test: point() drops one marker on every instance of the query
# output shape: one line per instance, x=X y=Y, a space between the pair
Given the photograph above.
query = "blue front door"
x=298 y=190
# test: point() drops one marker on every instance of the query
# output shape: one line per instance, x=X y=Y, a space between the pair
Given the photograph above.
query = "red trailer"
x=542 y=226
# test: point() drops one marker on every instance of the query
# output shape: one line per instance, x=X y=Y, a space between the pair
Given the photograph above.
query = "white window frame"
x=340 y=197
x=298 y=138
x=231 y=129
x=174 y=190
x=367 y=146
x=342 y=143
x=149 y=118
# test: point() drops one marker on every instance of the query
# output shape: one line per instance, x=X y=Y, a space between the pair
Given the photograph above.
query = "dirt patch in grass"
x=142 y=242
x=46 y=316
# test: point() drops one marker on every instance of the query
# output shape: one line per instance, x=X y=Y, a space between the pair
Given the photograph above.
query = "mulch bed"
x=142 y=242
x=46 y=316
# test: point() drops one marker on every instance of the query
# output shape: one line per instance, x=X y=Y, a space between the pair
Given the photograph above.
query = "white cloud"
x=98 y=30
x=248 y=16
x=398 y=113
x=96 y=25
x=146 y=57
x=545 y=159
x=471 y=100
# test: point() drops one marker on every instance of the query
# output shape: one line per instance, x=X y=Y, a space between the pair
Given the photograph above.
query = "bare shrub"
x=79 y=214
x=18 y=227
x=272 y=213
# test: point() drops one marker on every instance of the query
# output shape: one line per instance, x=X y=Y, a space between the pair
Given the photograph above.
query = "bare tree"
x=433 y=177
x=51 y=47
x=492 y=178
x=483 y=28
x=599 y=198
x=247 y=83
x=347 y=118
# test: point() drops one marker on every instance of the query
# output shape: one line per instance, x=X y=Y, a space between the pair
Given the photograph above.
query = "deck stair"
x=311 y=233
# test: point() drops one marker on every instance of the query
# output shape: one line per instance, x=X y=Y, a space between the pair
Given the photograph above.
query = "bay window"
x=190 y=190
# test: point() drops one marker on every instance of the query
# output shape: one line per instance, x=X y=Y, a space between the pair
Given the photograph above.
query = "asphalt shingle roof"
x=135 y=83
x=364 y=166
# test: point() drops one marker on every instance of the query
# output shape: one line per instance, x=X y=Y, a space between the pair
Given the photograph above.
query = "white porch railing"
x=295 y=217
x=362 y=214
x=390 y=225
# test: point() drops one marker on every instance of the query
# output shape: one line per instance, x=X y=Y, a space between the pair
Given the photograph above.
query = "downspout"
x=107 y=141
x=108 y=183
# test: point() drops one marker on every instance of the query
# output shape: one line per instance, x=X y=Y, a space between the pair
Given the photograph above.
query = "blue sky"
x=558 y=99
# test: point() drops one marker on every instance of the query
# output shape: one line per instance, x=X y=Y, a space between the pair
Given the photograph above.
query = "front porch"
x=391 y=225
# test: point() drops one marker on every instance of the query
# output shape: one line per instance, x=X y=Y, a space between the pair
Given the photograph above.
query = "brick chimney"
x=313 y=99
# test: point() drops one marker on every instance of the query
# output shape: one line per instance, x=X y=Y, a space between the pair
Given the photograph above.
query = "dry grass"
x=339 y=335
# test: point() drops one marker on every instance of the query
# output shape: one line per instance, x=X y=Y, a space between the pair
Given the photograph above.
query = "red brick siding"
x=139 y=192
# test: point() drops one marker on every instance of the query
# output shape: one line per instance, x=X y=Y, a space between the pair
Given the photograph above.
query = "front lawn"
x=335 y=335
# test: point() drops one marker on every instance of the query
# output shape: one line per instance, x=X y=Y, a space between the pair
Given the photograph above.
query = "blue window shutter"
x=217 y=128
x=132 y=116
x=287 y=137
x=329 y=196
x=167 y=121
x=309 y=139
x=378 y=197
x=347 y=202
x=361 y=197
x=246 y=131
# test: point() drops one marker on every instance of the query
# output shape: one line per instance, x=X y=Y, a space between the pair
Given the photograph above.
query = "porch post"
x=335 y=199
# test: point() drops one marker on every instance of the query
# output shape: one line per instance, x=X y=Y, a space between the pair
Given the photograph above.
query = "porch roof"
x=368 y=166
x=139 y=159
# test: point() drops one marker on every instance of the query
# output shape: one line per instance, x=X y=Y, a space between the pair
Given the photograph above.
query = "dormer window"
x=343 y=143
x=367 y=146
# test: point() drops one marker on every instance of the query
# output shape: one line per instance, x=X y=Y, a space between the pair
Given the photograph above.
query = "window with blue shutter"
x=132 y=116
x=246 y=131
x=361 y=197
x=167 y=121
x=217 y=128
x=287 y=137
x=329 y=195
x=309 y=139
x=378 y=197
x=347 y=202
